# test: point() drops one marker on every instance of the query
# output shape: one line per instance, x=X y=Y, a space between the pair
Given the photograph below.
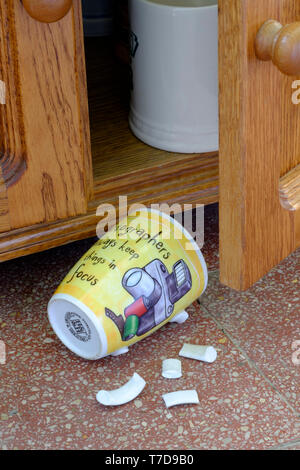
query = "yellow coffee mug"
x=137 y=277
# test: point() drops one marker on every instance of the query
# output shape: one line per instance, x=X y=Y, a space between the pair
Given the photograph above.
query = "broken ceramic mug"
x=137 y=277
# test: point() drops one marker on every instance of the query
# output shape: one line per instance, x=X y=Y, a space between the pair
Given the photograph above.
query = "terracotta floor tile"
x=211 y=237
x=265 y=322
x=48 y=394
x=248 y=396
x=292 y=445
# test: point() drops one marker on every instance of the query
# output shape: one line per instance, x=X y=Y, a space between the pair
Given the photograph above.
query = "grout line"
x=250 y=361
x=286 y=445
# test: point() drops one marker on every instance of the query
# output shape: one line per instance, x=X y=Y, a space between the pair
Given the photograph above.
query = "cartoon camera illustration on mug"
x=155 y=292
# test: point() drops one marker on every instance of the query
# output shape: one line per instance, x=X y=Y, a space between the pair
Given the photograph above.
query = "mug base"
x=179 y=141
x=77 y=326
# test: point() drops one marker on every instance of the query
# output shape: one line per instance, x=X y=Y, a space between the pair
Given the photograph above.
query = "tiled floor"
x=249 y=397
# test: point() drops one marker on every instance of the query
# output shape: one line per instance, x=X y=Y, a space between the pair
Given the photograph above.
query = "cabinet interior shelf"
x=122 y=165
x=119 y=158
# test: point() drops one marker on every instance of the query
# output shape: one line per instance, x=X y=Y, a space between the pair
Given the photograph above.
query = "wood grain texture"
x=12 y=132
x=187 y=181
x=83 y=107
x=195 y=185
x=4 y=212
x=123 y=166
x=297 y=229
x=289 y=189
x=259 y=143
x=54 y=185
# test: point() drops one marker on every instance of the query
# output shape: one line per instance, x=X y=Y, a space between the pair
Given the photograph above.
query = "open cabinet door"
x=45 y=158
x=259 y=146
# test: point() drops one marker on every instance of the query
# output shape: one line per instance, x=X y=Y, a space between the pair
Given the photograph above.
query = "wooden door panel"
x=297 y=229
x=259 y=143
x=4 y=211
x=45 y=147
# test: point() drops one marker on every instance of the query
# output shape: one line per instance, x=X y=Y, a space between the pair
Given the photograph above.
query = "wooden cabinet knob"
x=47 y=11
x=281 y=44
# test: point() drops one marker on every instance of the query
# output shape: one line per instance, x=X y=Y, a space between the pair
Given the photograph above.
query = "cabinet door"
x=259 y=146
x=45 y=162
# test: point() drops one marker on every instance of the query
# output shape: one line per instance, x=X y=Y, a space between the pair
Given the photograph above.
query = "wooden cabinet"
x=65 y=146
x=259 y=145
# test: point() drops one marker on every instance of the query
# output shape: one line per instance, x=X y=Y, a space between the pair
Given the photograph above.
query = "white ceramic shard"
x=180 y=317
x=171 y=369
x=120 y=351
x=201 y=353
x=181 y=397
x=124 y=394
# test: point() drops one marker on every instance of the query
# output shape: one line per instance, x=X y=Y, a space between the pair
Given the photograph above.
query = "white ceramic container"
x=174 y=48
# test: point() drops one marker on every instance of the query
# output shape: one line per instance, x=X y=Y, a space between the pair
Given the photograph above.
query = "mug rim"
x=61 y=334
x=179 y=7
